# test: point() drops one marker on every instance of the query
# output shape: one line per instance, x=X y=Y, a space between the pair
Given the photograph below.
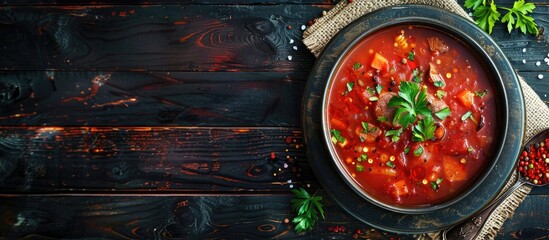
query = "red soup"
x=412 y=116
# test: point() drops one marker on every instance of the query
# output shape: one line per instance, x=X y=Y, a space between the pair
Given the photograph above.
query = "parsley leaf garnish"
x=487 y=14
x=418 y=151
x=436 y=184
x=524 y=22
x=390 y=164
x=442 y=114
x=336 y=136
x=411 y=55
x=440 y=94
x=409 y=103
x=424 y=130
x=394 y=134
x=481 y=93
x=350 y=86
x=307 y=208
x=357 y=65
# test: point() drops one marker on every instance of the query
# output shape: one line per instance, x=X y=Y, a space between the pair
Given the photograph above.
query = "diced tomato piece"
x=380 y=62
x=453 y=169
x=411 y=64
x=466 y=98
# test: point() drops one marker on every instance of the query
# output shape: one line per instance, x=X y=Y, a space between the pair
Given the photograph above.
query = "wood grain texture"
x=52 y=159
x=204 y=217
x=184 y=38
x=151 y=98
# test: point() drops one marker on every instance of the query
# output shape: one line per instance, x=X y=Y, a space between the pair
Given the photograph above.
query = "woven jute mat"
x=319 y=34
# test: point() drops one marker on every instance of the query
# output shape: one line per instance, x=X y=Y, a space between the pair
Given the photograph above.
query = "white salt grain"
x=290 y=58
x=524 y=50
x=540 y=76
x=295 y=48
x=291 y=41
x=524 y=61
x=546 y=59
x=303 y=27
x=538 y=63
x=291 y=186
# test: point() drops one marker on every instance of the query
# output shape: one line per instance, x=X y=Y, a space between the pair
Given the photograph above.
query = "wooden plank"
x=62 y=159
x=129 y=37
x=187 y=217
x=186 y=38
x=151 y=98
x=205 y=216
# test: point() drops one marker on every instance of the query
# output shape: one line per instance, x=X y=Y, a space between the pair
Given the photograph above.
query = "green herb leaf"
x=439 y=84
x=359 y=167
x=390 y=164
x=411 y=55
x=307 y=208
x=409 y=103
x=418 y=151
x=394 y=134
x=406 y=150
x=524 y=22
x=357 y=65
x=481 y=93
x=379 y=88
x=436 y=184
x=474 y=3
x=336 y=136
x=440 y=94
x=486 y=16
x=417 y=75
x=373 y=99
x=350 y=86
x=364 y=157
x=444 y=113
x=424 y=130
x=382 y=119
x=468 y=114
x=470 y=149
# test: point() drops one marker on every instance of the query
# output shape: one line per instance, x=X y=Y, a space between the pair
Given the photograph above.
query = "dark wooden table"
x=176 y=119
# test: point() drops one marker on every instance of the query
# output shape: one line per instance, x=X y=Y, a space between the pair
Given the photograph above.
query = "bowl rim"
x=347 y=198
x=490 y=70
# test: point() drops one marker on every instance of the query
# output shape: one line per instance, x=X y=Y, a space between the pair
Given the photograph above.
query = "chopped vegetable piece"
x=379 y=88
x=481 y=93
x=454 y=170
x=350 y=86
x=436 y=184
x=418 y=151
x=406 y=150
x=466 y=115
x=394 y=134
x=390 y=164
x=440 y=94
x=359 y=167
x=336 y=136
x=380 y=62
x=382 y=119
x=373 y=99
x=411 y=55
x=439 y=84
x=357 y=65
x=417 y=75
x=465 y=97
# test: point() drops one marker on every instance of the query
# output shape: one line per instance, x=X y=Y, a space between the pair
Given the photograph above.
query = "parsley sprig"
x=308 y=208
x=487 y=13
x=409 y=103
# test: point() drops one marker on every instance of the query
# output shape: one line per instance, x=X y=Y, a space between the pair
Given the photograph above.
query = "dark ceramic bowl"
x=337 y=182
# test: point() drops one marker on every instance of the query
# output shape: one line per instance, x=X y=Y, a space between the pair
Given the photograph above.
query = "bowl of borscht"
x=413 y=118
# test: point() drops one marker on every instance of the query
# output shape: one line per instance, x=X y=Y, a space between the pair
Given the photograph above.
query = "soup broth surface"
x=411 y=115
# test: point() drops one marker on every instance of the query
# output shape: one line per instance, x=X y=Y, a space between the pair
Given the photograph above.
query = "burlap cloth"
x=320 y=33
